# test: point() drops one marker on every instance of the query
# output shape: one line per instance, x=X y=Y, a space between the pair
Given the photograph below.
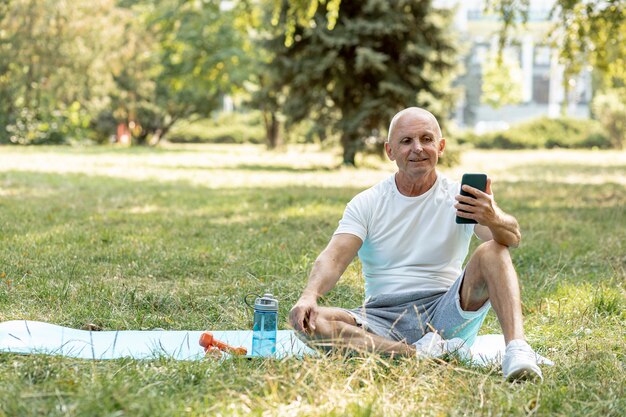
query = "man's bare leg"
x=490 y=275
x=337 y=328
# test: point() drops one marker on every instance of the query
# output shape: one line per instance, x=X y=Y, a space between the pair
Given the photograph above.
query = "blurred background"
x=510 y=74
x=161 y=159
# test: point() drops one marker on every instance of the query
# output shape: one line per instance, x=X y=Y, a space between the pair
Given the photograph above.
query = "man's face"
x=415 y=144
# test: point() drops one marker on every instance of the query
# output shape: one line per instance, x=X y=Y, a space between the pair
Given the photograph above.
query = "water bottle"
x=265 y=326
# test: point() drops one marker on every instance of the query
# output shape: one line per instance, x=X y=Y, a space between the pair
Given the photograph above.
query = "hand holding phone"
x=478 y=181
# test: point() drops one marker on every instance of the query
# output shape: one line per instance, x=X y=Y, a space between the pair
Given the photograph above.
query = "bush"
x=104 y=126
x=543 y=133
x=226 y=128
x=451 y=155
x=610 y=109
x=65 y=125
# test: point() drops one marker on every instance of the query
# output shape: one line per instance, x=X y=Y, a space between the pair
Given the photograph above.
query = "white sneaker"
x=431 y=345
x=520 y=362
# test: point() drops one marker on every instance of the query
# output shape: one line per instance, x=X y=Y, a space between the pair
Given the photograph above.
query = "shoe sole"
x=524 y=374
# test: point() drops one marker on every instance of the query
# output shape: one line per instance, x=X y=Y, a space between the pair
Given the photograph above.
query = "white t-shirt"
x=409 y=243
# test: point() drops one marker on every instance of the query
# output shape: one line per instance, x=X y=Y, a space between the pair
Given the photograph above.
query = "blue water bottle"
x=265 y=326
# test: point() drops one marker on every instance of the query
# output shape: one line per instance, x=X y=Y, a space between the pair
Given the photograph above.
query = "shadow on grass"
x=94 y=150
x=251 y=167
x=560 y=168
x=160 y=235
x=220 y=244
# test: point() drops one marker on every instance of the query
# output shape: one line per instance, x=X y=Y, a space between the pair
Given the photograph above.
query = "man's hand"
x=493 y=223
x=304 y=314
x=326 y=271
x=481 y=208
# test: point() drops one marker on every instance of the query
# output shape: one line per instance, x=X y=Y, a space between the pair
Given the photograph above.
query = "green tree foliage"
x=264 y=21
x=501 y=81
x=255 y=18
x=585 y=33
x=54 y=66
x=187 y=56
x=301 y=13
x=68 y=69
x=593 y=33
x=610 y=109
x=380 y=57
x=511 y=12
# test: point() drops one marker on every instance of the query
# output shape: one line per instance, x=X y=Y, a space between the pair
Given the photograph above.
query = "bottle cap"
x=266 y=303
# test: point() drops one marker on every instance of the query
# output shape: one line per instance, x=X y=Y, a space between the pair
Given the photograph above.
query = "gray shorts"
x=409 y=316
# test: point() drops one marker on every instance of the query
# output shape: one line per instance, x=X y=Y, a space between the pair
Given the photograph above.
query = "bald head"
x=413 y=113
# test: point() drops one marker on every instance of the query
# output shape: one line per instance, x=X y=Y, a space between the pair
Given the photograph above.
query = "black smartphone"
x=478 y=181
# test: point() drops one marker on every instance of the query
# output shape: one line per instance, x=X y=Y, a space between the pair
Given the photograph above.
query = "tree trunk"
x=141 y=139
x=272 y=129
x=155 y=138
x=159 y=133
x=349 y=142
x=30 y=73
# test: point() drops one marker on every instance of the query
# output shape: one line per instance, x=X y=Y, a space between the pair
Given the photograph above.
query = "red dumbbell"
x=210 y=344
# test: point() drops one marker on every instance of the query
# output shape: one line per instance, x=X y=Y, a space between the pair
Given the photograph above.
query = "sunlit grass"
x=228 y=166
x=174 y=237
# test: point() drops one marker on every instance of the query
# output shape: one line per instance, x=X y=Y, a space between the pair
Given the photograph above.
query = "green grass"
x=175 y=237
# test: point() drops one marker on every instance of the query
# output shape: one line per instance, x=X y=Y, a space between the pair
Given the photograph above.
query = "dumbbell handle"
x=207 y=341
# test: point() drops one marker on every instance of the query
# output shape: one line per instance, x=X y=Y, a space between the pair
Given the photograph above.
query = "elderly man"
x=412 y=251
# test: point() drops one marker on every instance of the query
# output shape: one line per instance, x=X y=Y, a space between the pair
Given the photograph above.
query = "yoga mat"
x=23 y=336
x=34 y=337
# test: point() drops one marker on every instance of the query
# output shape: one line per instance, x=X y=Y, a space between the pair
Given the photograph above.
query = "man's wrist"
x=308 y=295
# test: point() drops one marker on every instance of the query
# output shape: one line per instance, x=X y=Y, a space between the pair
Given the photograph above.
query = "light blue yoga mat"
x=34 y=337
x=23 y=336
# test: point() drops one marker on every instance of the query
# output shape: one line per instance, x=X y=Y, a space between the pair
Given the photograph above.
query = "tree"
x=254 y=19
x=610 y=109
x=380 y=57
x=593 y=33
x=189 y=57
x=501 y=81
x=262 y=25
x=54 y=60
x=300 y=13
x=585 y=33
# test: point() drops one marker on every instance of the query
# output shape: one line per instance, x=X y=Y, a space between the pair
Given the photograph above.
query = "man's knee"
x=492 y=252
x=490 y=260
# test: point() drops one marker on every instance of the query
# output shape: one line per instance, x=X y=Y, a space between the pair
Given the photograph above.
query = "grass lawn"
x=174 y=237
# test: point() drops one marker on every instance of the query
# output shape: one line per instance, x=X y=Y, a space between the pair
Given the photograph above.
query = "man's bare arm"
x=327 y=269
x=506 y=232
x=493 y=223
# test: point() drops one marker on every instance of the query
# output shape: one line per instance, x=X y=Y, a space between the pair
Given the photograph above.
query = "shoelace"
x=521 y=351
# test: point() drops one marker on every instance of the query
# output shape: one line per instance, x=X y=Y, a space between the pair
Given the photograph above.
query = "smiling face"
x=415 y=144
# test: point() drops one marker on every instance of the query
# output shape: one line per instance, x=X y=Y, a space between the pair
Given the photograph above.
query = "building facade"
x=539 y=74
